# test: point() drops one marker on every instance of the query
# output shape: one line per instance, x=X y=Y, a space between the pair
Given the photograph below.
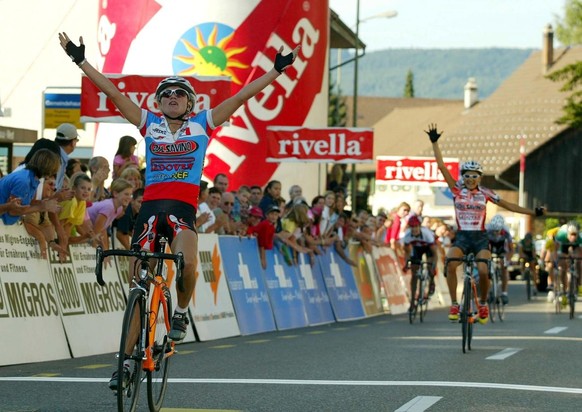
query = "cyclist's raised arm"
x=434 y=136
x=224 y=110
x=128 y=109
x=539 y=211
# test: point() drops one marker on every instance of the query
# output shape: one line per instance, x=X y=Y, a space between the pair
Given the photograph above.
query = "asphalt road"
x=529 y=362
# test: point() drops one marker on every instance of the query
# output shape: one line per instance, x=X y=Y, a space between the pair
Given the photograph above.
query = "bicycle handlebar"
x=141 y=255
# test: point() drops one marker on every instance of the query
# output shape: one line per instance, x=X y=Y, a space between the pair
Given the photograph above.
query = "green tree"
x=569 y=31
x=409 y=86
x=337 y=109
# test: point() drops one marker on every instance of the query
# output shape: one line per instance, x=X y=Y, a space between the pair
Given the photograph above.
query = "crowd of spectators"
x=84 y=208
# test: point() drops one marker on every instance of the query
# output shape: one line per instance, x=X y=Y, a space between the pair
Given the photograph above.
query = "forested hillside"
x=437 y=73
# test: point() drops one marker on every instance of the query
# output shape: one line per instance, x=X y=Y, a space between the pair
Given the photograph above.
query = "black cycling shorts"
x=471 y=241
x=417 y=252
x=165 y=218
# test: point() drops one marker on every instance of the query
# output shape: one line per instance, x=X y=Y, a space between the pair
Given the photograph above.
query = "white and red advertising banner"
x=231 y=38
x=325 y=145
x=96 y=107
x=414 y=170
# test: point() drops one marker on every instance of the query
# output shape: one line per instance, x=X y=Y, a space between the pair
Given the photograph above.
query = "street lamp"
x=387 y=14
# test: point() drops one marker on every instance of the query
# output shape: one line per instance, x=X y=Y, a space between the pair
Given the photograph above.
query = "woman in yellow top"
x=548 y=257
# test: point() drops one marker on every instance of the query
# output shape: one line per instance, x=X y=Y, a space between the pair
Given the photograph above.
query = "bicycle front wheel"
x=128 y=396
x=162 y=350
x=572 y=295
x=492 y=298
x=466 y=314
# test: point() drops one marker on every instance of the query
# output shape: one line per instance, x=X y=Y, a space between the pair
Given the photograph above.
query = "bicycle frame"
x=470 y=297
x=145 y=344
x=420 y=279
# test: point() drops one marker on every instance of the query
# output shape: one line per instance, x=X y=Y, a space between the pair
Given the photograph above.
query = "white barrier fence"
x=55 y=310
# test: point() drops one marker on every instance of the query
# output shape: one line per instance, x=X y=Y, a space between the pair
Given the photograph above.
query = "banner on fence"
x=247 y=285
x=315 y=297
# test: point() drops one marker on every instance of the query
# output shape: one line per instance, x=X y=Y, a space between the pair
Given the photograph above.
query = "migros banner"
x=233 y=38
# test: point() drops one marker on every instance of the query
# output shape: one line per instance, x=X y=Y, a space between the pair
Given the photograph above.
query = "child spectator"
x=265 y=231
x=73 y=215
x=255 y=217
x=104 y=212
x=125 y=157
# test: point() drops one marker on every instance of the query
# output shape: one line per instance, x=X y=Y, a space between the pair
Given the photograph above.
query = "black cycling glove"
x=432 y=133
x=281 y=62
x=539 y=211
x=76 y=53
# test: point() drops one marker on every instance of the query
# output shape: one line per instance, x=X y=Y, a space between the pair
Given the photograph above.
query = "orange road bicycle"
x=470 y=298
x=144 y=334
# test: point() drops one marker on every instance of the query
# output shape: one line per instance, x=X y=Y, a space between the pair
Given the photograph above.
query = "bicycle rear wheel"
x=528 y=283
x=162 y=350
x=466 y=326
x=127 y=398
x=423 y=302
x=492 y=298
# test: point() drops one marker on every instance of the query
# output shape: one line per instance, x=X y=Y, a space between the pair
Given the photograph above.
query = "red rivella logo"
x=336 y=144
x=414 y=169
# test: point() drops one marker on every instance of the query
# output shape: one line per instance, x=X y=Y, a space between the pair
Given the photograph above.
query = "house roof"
x=372 y=109
x=526 y=104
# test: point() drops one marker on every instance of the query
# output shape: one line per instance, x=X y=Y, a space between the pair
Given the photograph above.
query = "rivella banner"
x=231 y=38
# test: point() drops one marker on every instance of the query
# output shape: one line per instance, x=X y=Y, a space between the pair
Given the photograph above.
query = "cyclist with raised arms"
x=569 y=241
x=501 y=244
x=470 y=200
x=182 y=137
x=418 y=241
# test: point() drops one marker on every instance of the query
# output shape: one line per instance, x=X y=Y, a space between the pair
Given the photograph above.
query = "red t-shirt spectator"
x=265 y=232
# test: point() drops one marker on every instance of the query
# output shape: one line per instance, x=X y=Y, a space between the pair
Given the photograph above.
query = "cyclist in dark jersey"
x=176 y=143
x=501 y=244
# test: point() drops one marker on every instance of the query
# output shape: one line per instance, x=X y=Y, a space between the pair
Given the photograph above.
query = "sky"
x=445 y=24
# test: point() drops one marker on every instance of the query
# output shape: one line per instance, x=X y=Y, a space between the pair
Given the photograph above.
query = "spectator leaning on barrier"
x=22 y=184
x=125 y=224
x=265 y=231
x=104 y=212
x=211 y=204
x=39 y=226
x=203 y=213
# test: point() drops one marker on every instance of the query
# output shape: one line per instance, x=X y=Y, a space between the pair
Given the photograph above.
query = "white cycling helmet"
x=471 y=166
x=183 y=84
x=497 y=223
x=572 y=226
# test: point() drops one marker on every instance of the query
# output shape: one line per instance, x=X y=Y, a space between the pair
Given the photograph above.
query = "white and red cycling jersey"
x=471 y=206
x=174 y=161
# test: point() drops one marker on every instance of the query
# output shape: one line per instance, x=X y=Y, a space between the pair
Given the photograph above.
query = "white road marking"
x=504 y=354
x=528 y=338
x=419 y=404
x=480 y=385
x=556 y=330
